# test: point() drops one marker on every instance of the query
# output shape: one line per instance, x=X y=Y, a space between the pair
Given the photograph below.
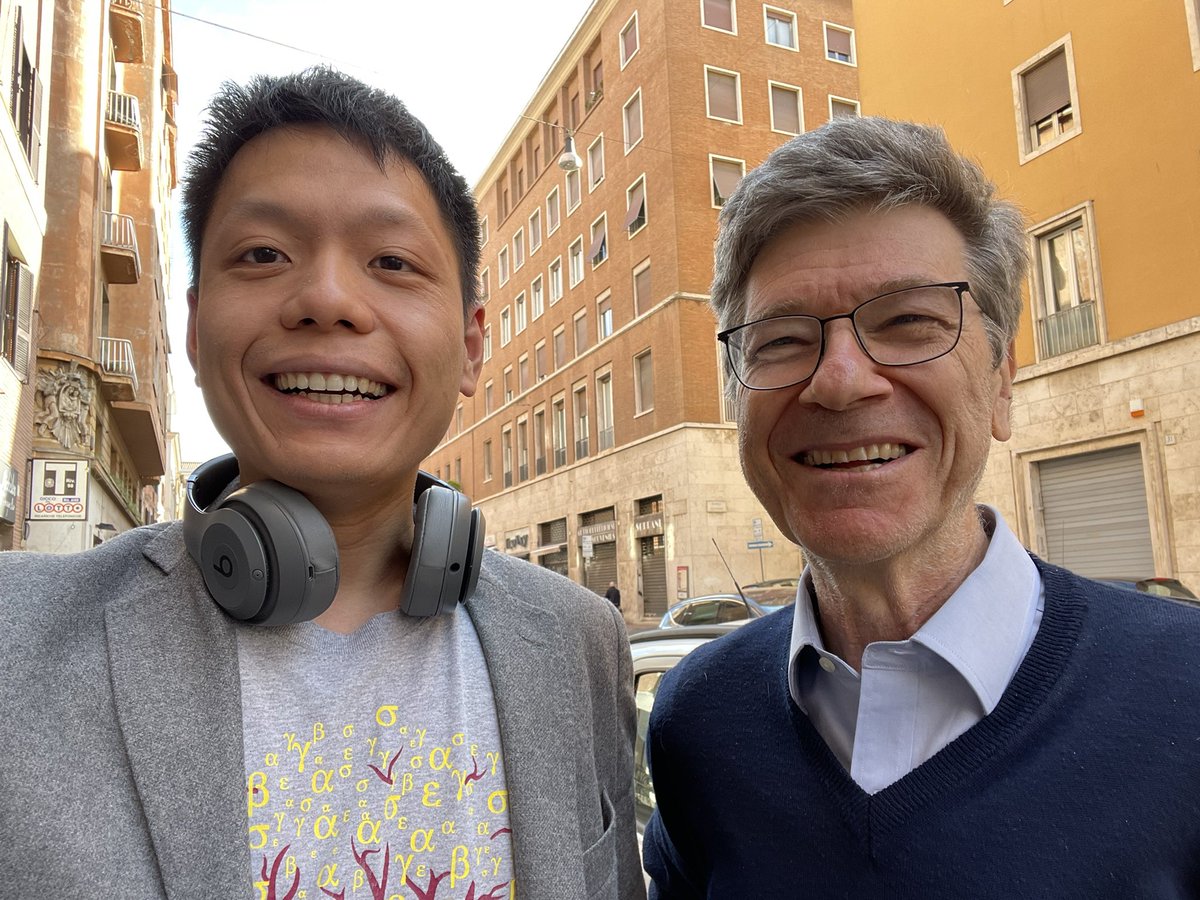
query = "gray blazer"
x=121 y=759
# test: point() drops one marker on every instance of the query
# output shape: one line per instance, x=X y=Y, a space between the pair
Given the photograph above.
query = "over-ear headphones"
x=268 y=556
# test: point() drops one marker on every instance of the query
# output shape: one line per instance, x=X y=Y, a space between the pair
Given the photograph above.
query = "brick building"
x=1084 y=112
x=598 y=443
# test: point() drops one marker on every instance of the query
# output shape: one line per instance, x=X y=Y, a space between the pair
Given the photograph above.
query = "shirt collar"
x=981 y=630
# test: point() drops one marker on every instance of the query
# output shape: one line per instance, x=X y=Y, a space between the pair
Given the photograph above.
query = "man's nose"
x=329 y=296
x=845 y=374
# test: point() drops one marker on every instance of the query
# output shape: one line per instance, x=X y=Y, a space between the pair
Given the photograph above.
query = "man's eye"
x=263 y=255
x=391 y=263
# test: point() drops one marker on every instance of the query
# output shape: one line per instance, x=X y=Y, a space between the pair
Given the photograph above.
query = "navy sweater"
x=1084 y=782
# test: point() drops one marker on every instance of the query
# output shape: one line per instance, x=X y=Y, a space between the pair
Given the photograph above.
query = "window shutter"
x=1047 y=88
x=838 y=41
x=629 y=41
x=597 y=244
x=641 y=290
x=23 y=344
x=35 y=124
x=725 y=178
x=722 y=95
x=637 y=200
x=785 y=110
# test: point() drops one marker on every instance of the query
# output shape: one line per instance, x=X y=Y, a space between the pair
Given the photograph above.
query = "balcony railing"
x=119 y=249
x=123 y=132
x=116 y=358
x=1069 y=329
x=560 y=457
x=523 y=471
x=581 y=448
x=125 y=20
x=508 y=479
x=539 y=465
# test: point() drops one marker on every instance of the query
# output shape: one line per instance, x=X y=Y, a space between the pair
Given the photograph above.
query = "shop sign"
x=59 y=489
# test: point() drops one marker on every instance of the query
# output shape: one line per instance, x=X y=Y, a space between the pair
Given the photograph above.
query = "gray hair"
x=878 y=164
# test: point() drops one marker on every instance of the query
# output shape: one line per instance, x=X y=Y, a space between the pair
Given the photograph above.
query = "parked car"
x=773 y=593
x=712 y=609
x=1160 y=587
x=654 y=653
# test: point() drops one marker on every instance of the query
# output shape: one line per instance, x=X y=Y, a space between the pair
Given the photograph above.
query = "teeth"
x=344 y=387
x=865 y=453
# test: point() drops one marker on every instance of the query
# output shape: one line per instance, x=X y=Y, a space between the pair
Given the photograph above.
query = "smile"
x=330 y=388
x=866 y=458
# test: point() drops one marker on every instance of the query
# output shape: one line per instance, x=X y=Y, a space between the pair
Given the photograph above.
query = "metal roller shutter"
x=601 y=568
x=654 y=576
x=1095 y=520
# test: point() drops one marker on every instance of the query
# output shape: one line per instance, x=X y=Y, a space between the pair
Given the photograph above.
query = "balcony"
x=125 y=19
x=1069 y=329
x=123 y=132
x=119 y=249
x=118 y=370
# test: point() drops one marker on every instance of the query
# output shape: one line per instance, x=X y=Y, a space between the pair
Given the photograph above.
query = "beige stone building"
x=95 y=444
x=1085 y=113
x=598 y=443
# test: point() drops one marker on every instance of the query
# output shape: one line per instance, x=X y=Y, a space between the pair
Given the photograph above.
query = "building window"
x=1065 y=289
x=458 y=419
x=604 y=316
x=1047 y=105
x=635 y=207
x=643 y=383
x=1192 y=10
x=521 y=314
x=483 y=231
x=598 y=249
x=507 y=384
x=633 y=120
x=487 y=342
x=502 y=265
x=539 y=441
x=24 y=96
x=506 y=453
x=604 y=411
x=629 y=40
x=539 y=361
x=535 y=231
x=518 y=244
x=488 y=398
x=787 y=108
x=642 y=298
x=581 y=421
x=781 y=27
x=523 y=373
x=458 y=471
x=839 y=44
x=553 y=213
x=505 y=327
x=595 y=159
x=574 y=195
x=485 y=286
x=575 y=261
x=581 y=332
x=556 y=287
x=487 y=460
x=842 y=106
x=720 y=15
x=722 y=91
x=558 y=431
x=560 y=346
x=537 y=301
x=724 y=175
x=16 y=311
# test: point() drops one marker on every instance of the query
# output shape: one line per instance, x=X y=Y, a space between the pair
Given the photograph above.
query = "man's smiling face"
x=327 y=328
x=863 y=463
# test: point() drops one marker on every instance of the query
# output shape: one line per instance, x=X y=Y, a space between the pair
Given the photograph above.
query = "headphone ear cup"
x=441 y=563
x=234 y=564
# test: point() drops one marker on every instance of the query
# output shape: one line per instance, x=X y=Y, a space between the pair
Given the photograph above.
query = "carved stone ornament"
x=63 y=406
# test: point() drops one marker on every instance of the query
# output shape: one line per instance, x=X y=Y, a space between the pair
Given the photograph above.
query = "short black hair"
x=356 y=111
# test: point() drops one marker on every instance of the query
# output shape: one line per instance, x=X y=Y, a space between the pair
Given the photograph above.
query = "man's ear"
x=473 y=358
x=1002 y=408
x=192 y=354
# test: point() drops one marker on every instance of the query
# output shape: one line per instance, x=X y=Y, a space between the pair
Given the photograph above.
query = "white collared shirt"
x=916 y=696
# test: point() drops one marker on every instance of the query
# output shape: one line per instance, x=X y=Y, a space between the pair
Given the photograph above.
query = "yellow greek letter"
x=328 y=824
x=498 y=802
x=259 y=831
x=306 y=804
x=257 y=794
x=431 y=789
x=386 y=716
x=368 y=831
x=272 y=760
x=424 y=837
x=362 y=786
x=406 y=783
x=439 y=758
x=318 y=732
x=320 y=781
x=328 y=876
x=459 y=739
x=460 y=866
x=346 y=771
x=449 y=827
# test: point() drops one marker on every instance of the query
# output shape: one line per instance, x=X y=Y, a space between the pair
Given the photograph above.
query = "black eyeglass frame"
x=960 y=287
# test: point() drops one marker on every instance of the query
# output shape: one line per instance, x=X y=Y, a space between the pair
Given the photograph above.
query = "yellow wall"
x=1137 y=157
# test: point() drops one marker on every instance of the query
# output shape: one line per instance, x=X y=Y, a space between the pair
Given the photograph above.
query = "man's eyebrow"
x=265 y=209
x=901 y=283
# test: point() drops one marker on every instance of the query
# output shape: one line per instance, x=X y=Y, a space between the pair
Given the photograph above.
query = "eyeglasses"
x=899 y=328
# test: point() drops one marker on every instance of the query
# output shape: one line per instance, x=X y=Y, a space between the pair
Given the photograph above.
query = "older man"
x=941 y=715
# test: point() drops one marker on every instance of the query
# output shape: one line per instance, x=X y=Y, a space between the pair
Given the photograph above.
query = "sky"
x=466 y=69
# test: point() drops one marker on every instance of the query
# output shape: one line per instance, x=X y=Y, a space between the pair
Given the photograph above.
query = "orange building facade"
x=598 y=443
x=1084 y=113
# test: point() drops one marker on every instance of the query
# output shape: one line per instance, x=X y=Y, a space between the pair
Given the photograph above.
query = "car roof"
x=678 y=641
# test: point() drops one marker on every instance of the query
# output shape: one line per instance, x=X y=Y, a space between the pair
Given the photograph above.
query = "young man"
x=940 y=715
x=155 y=745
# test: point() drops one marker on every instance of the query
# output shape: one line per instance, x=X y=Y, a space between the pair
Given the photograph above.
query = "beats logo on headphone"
x=268 y=556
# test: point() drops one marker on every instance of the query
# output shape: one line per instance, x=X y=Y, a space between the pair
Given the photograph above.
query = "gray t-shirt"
x=373 y=762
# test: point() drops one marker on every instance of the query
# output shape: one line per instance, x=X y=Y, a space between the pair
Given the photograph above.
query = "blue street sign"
x=759 y=545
